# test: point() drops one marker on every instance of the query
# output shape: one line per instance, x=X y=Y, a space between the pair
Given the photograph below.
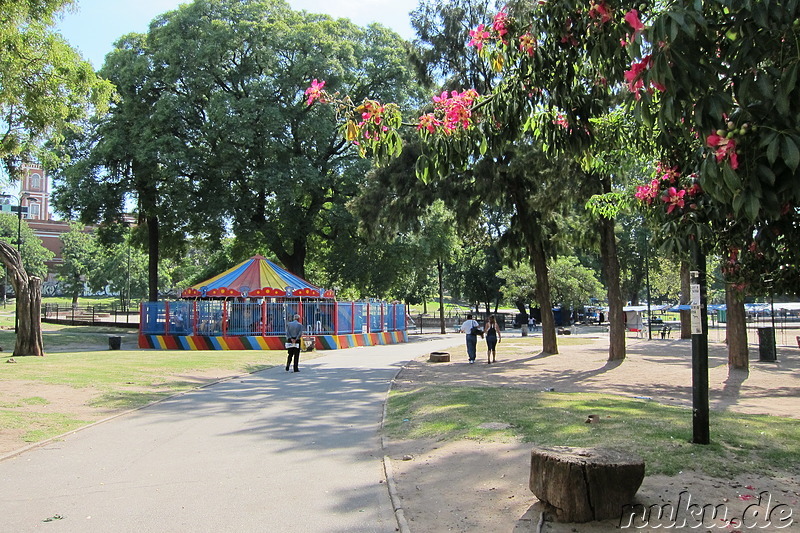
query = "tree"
x=233 y=74
x=728 y=129
x=80 y=254
x=122 y=155
x=44 y=87
x=519 y=286
x=573 y=284
x=25 y=265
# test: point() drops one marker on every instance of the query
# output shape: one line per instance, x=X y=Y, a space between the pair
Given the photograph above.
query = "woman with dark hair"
x=492 y=338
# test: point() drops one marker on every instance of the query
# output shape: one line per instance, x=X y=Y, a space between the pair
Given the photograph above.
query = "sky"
x=95 y=24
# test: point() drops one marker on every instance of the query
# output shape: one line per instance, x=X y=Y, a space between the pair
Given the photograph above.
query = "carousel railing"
x=232 y=318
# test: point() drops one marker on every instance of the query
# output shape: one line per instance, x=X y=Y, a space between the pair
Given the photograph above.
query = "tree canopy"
x=45 y=86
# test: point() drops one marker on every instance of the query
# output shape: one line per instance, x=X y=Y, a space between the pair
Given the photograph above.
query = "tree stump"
x=439 y=357
x=584 y=484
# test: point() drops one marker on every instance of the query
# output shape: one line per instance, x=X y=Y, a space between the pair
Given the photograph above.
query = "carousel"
x=248 y=306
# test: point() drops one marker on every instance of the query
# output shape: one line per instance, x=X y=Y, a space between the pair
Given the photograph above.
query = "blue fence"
x=231 y=318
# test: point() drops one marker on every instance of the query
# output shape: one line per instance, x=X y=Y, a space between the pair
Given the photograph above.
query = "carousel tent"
x=256 y=277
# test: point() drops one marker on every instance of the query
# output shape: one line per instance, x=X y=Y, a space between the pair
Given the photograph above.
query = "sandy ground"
x=473 y=486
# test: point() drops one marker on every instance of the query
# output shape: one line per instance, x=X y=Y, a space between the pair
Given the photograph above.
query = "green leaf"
x=773 y=149
x=421 y=167
x=731 y=178
x=752 y=206
x=484 y=146
x=789 y=79
x=738 y=203
x=766 y=174
x=790 y=153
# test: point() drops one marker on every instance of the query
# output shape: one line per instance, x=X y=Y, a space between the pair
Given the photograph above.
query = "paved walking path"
x=271 y=451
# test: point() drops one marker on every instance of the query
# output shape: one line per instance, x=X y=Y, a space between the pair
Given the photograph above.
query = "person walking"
x=294 y=336
x=471 y=328
x=492 y=338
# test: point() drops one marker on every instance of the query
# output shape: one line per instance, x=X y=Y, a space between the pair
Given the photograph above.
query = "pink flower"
x=634 y=75
x=632 y=18
x=455 y=108
x=315 y=92
x=479 y=36
x=670 y=174
x=723 y=148
x=372 y=112
x=500 y=24
x=562 y=121
x=428 y=122
x=647 y=193
x=527 y=44
x=694 y=190
x=601 y=11
x=674 y=198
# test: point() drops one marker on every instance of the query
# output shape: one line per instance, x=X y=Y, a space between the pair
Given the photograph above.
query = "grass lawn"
x=109 y=379
x=658 y=433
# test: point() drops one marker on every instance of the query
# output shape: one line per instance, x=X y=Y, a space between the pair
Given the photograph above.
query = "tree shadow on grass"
x=139 y=398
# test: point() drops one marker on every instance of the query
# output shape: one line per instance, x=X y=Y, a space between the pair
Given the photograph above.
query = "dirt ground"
x=473 y=486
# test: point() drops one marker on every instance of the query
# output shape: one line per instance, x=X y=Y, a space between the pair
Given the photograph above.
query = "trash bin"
x=766 y=344
x=114 y=342
x=524 y=330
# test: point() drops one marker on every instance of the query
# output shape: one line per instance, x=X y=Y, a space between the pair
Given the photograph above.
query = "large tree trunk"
x=686 y=316
x=610 y=268
x=29 y=303
x=539 y=260
x=152 y=260
x=736 y=330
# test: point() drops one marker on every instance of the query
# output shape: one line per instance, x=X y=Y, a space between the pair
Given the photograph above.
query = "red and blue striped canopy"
x=256 y=278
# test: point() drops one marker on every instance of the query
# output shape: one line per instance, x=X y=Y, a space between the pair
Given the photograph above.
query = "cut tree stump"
x=439 y=357
x=584 y=484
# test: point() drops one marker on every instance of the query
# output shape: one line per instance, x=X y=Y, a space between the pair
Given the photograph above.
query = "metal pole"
x=772 y=318
x=647 y=279
x=700 y=407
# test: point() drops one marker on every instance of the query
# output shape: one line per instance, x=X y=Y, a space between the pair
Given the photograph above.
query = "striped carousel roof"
x=256 y=277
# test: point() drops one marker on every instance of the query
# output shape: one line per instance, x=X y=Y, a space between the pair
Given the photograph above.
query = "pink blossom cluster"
x=315 y=92
x=724 y=148
x=498 y=30
x=635 y=77
x=500 y=24
x=673 y=196
x=451 y=111
x=371 y=120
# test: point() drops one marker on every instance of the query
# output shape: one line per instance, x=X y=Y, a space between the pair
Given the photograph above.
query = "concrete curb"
x=388 y=469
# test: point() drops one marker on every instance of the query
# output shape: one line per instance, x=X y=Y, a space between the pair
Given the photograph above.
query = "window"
x=36 y=181
x=33 y=210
